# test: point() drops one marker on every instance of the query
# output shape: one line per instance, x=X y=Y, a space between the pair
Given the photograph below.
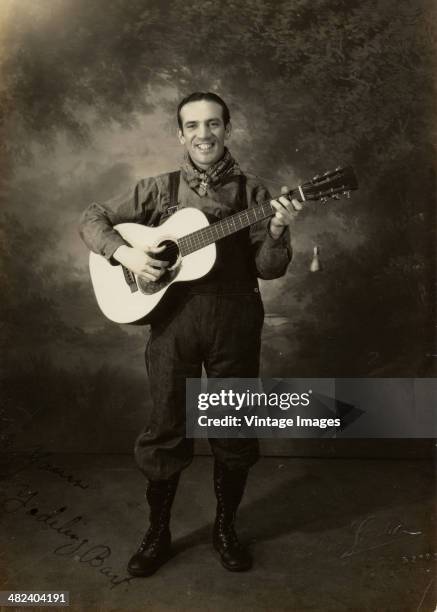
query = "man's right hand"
x=141 y=262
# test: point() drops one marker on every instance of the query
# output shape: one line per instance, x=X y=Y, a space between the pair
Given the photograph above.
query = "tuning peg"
x=315 y=263
x=347 y=194
x=323 y=200
x=335 y=196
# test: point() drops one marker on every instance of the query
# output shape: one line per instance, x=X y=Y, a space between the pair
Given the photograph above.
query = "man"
x=215 y=321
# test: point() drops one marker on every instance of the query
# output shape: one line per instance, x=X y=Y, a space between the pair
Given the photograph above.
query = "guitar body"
x=117 y=296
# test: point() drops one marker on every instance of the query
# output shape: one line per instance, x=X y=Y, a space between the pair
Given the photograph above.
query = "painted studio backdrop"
x=88 y=96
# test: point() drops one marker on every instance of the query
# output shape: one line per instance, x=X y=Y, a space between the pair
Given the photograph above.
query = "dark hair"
x=204 y=95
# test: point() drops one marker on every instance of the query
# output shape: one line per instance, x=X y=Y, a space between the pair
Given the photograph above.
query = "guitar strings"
x=199 y=234
x=174 y=248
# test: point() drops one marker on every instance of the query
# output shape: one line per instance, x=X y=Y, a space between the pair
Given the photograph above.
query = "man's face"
x=203 y=132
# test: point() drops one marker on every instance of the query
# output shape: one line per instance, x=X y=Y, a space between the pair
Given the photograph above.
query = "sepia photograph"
x=218 y=305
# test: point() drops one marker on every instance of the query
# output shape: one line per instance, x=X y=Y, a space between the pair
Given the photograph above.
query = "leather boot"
x=229 y=488
x=155 y=548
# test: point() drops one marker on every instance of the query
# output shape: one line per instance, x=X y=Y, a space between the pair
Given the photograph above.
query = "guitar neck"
x=230 y=225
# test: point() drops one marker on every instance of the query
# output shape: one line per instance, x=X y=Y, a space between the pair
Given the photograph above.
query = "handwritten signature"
x=36 y=459
x=81 y=549
x=362 y=532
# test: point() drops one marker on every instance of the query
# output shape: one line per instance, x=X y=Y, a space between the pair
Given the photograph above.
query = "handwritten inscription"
x=364 y=535
x=80 y=549
x=39 y=459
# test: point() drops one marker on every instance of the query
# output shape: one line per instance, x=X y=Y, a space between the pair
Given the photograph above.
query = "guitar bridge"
x=130 y=279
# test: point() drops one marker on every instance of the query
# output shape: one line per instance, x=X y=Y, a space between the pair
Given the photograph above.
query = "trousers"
x=222 y=332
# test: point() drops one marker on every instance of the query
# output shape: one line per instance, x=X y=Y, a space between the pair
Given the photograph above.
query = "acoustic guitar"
x=189 y=241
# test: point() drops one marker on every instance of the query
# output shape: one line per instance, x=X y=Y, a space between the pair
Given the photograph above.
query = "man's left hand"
x=286 y=213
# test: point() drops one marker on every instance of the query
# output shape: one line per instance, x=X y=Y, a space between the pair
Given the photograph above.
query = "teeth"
x=205 y=147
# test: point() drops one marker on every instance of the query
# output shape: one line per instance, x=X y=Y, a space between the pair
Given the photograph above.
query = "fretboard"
x=228 y=226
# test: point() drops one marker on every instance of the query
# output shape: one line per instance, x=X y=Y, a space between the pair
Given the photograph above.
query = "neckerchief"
x=202 y=180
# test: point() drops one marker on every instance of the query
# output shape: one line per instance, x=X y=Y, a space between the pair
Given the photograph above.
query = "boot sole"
x=246 y=568
x=142 y=574
x=230 y=568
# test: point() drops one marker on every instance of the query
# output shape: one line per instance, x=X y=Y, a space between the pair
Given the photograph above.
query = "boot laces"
x=152 y=539
x=226 y=532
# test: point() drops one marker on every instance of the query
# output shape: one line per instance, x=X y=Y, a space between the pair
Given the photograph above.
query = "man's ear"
x=228 y=130
x=181 y=136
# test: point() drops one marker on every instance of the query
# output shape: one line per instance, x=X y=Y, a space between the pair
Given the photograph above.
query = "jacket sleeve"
x=272 y=256
x=136 y=205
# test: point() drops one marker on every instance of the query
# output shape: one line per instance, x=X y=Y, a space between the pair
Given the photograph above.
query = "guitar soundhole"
x=170 y=254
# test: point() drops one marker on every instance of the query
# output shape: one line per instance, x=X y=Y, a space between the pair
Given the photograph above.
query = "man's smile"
x=205 y=146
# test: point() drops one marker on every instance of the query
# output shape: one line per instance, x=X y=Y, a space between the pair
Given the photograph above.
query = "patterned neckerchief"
x=201 y=181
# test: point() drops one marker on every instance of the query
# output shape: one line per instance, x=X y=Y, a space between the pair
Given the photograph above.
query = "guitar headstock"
x=332 y=184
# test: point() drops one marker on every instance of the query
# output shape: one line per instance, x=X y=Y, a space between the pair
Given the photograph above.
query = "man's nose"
x=204 y=130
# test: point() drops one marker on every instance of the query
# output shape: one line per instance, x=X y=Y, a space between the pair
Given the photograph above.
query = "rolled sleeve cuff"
x=274 y=256
x=110 y=246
